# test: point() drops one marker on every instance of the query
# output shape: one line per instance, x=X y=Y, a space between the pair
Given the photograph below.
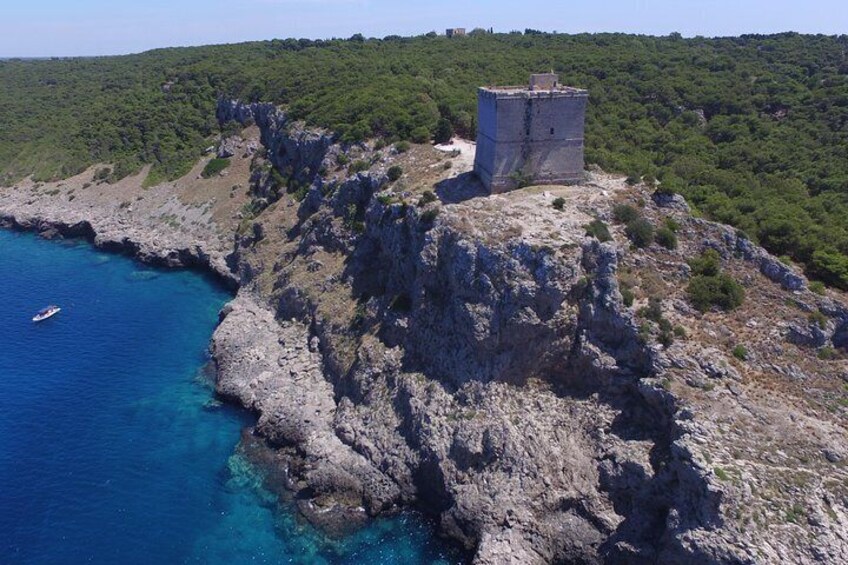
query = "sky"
x=42 y=28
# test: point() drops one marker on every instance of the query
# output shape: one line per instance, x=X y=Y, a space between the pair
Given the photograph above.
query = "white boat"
x=45 y=313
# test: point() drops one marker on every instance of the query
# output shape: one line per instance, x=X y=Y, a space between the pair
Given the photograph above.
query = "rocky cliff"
x=547 y=396
x=477 y=359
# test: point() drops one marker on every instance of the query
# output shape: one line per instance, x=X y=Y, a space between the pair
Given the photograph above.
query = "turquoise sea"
x=112 y=446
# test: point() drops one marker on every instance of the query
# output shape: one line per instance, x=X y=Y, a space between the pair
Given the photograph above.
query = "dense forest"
x=753 y=130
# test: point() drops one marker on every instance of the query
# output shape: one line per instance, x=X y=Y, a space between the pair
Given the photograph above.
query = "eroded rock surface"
x=412 y=343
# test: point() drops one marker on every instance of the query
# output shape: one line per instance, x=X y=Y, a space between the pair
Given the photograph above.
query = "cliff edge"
x=549 y=397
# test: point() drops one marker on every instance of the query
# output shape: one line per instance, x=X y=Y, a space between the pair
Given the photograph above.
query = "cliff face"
x=476 y=357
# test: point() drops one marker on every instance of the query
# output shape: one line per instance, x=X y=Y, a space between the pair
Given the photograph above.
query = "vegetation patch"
x=214 y=167
x=640 y=232
x=599 y=230
x=427 y=197
x=394 y=173
x=624 y=213
x=751 y=129
x=667 y=238
x=740 y=352
x=709 y=287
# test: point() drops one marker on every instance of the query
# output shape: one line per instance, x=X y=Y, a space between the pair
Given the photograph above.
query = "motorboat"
x=45 y=313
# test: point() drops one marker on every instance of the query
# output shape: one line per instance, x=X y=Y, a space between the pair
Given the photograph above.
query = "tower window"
x=552 y=131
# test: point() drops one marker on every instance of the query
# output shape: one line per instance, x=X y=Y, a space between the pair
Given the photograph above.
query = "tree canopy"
x=753 y=130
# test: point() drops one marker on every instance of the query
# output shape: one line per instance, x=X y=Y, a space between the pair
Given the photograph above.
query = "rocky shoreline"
x=476 y=357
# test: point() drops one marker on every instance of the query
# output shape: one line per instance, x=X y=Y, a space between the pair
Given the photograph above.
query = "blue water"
x=112 y=447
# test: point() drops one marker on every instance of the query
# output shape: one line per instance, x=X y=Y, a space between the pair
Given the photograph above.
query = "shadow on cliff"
x=460 y=188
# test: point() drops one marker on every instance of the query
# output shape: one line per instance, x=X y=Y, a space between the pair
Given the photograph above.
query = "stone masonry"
x=530 y=135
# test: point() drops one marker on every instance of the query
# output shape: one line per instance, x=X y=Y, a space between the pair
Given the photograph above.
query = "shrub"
x=653 y=311
x=559 y=203
x=342 y=159
x=666 y=238
x=214 y=167
x=427 y=197
x=665 y=189
x=721 y=474
x=740 y=352
x=429 y=216
x=402 y=146
x=444 y=131
x=627 y=297
x=640 y=232
x=827 y=353
x=818 y=319
x=708 y=264
x=817 y=287
x=599 y=230
x=358 y=166
x=666 y=339
x=716 y=290
x=101 y=174
x=680 y=331
x=671 y=224
x=420 y=135
x=395 y=172
x=624 y=213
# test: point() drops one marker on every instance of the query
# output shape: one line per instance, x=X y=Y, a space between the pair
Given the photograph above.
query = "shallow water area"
x=112 y=446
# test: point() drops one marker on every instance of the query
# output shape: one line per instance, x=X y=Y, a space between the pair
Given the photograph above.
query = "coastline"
x=150 y=252
x=475 y=357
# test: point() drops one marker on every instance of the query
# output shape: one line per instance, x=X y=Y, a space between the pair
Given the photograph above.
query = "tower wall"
x=534 y=137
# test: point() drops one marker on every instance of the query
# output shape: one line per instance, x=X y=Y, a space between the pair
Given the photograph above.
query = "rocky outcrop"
x=149 y=245
x=297 y=153
x=477 y=360
x=735 y=243
x=498 y=384
x=275 y=370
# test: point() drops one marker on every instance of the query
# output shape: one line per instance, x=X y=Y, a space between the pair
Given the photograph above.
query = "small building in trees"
x=455 y=32
x=530 y=134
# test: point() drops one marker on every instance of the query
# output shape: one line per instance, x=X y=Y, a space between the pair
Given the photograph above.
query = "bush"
x=716 y=290
x=818 y=319
x=402 y=146
x=671 y=224
x=395 y=172
x=680 y=331
x=420 y=135
x=817 y=287
x=429 y=216
x=665 y=189
x=640 y=232
x=599 y=230
x=627 y=297
x=708 y=264
x=666 y=238
x=214 y=167
x=624 y=213
x=559 y=203
x=740 y=352
x=827 y=353
x=358 y=167
x=444 y=131
x=653 y=311
x=427 y=197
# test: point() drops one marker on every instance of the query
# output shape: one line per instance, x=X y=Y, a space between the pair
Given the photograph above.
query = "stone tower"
x=530 y=135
